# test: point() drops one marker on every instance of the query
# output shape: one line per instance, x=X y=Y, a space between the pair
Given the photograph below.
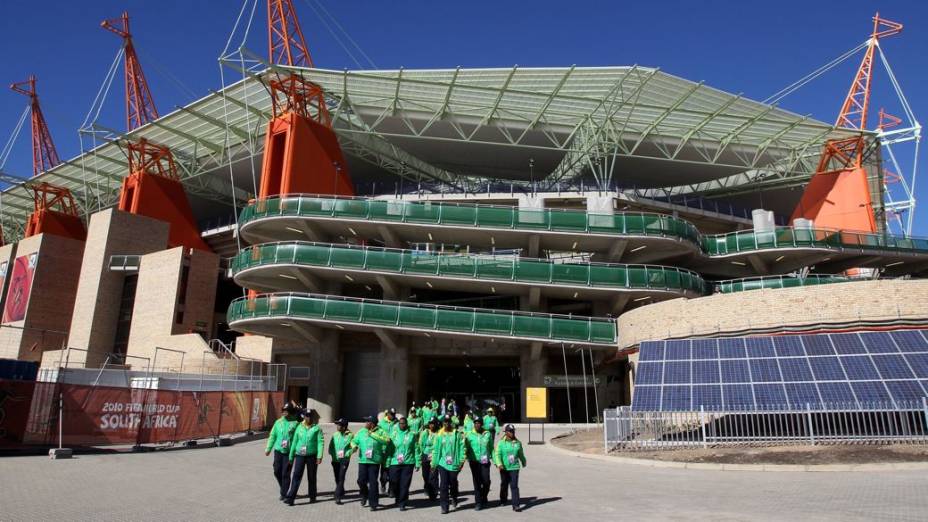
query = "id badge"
x=341 y=454
x=284 y=444
x=400 y=458
x=302 y=451
x=512 y=459
x=449 y=460
x=369 y=454
x=483 y=459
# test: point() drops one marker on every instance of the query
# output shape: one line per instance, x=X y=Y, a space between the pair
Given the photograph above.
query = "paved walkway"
x=235 y=483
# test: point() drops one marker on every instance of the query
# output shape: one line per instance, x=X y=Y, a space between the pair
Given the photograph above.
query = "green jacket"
x=415 y=424
x=371 y=446
x=509 y=455
x=404 y=449
x=490 y=423
x=479 y=446
x=340 y=442
x=281 y=435
x=426 y=414
x=468 y=424
x=448 y=450
x=426 y=442
x=386 y=425
x=307 y=440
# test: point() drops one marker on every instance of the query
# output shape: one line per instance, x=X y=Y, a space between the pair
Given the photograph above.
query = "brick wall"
x=875 y=301
x=51 y=299
x=157 y=308
x=111 y=232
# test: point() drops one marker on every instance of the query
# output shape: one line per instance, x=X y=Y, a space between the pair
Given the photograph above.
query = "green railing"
x=472 y=215
x=757 y=283
x=788 y=237
x=572 y=221
x=422 y=317
x=478 y=267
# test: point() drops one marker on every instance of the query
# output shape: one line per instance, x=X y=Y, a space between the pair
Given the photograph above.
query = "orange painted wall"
x=165 y=199
x=300 y=156
x=838 y=200
x=55 y=223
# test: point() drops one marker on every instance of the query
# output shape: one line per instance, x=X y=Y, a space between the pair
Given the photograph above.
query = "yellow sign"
x=536 y=403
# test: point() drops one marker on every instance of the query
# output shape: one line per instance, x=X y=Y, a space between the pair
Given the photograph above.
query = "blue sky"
x=751 y=47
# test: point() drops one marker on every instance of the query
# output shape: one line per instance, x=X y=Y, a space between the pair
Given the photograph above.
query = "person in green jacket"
x=509 y=458
x=414 y=421
x=278 y=441
x=340 y=451
x=448 y=454
x=479 y=454
x=468 y=422
x=404 y=456
x=426 y=413
x=306 y=451
x=490 y=422
x=371 y=443
x=426 y=442
x=387 y=424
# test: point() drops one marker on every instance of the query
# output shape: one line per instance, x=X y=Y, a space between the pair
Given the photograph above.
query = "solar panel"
x=649 y=373
x=677 y=350
x=878 y=342
x=706 y=372
x=848 y=344
x=732 y=348
x=864 y=370
x=705 y=349
x=859 y=368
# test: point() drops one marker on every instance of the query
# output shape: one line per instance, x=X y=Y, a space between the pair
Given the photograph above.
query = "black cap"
x=370 y=419
x=510 y=428
x=341 y=422
x=433 y=420
x=446 y=418
x=392 y=411
x=478 y=420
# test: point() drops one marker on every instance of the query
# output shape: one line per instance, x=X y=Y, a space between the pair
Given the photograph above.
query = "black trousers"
x=282 y=472
x=481 y=475
x=429 y=481
x=367 y=483
x=401 y=478
x=448 y=483
x=510 y=480
x=339 y=470
x=385 y=480
x=303 y=463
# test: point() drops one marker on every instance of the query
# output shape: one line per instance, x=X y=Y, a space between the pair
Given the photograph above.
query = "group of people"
x=431 y=438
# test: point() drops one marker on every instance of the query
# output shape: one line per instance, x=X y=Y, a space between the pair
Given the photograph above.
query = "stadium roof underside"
x=631 y=127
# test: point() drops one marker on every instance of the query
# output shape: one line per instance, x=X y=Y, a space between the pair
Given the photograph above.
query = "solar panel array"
x=822 y=371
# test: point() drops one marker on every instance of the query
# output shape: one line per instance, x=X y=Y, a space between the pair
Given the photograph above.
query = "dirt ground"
x=591 y=441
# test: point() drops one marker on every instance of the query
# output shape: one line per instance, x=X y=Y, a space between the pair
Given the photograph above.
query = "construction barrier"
x=100 y=415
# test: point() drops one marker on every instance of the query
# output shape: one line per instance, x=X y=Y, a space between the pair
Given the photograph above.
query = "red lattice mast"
x=44 y=155
x=286 y=46
x=853 y=112
x=140 y=107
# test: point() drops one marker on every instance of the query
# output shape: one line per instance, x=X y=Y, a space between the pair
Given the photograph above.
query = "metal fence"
x=875 y=423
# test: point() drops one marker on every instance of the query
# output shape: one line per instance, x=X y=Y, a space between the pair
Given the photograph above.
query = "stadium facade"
x=465 y=232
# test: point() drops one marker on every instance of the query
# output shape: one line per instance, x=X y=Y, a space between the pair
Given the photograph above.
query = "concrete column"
x=394 y=372
x=325 y=389
x=600 y=209
x=532 y=366
x=531 y=203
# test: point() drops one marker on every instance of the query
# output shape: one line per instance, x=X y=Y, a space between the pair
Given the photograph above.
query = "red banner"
x=15 y=401
x=17 y=295
x=99 y=415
